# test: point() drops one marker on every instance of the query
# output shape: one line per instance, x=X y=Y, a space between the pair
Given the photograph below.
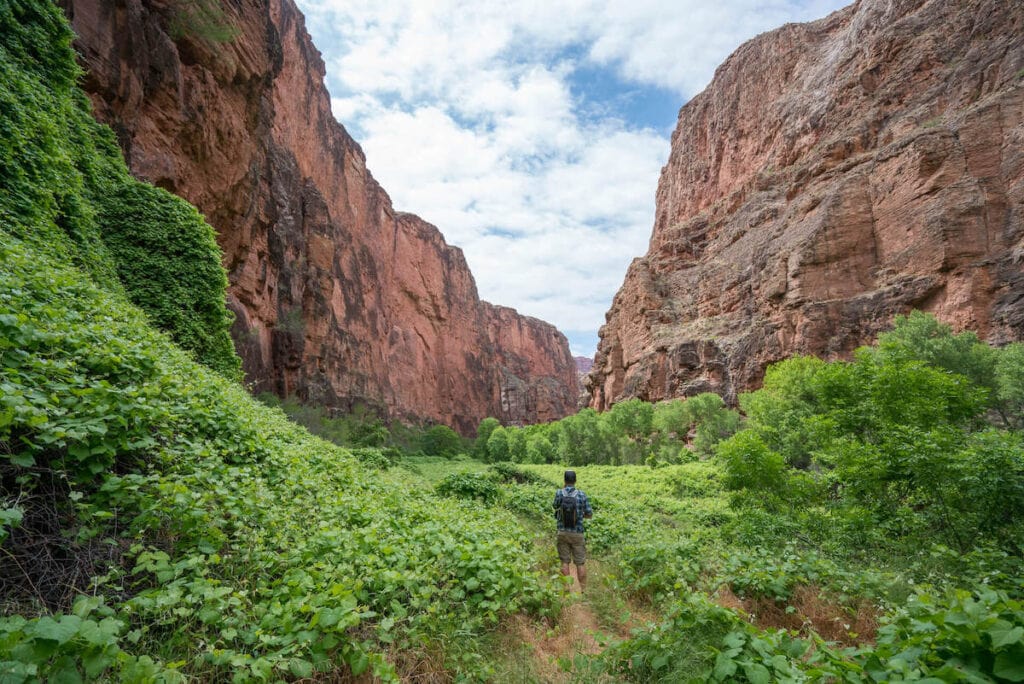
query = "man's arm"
x=588 y=511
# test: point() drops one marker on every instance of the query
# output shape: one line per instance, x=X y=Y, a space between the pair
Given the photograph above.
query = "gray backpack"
x=567 y=513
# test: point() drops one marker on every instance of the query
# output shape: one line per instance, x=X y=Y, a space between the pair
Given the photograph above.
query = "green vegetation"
x=632 y=432
x=857 y=521
x=157 y=524
x=169 y=263
x=217 y=538
x=65 y=190
x=203 y=20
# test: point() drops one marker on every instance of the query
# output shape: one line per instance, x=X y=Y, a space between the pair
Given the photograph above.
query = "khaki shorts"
x=572 y=545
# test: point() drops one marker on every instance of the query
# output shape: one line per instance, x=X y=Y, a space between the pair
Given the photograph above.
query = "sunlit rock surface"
x=339 y=298
x=832 y=175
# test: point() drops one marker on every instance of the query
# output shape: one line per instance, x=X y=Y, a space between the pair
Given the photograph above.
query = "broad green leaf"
x=757 y=673
x=725 y=667
x=1005 y=634
x=64 y=671
x=57 y=630
x=95 y=663
x=734 y=639
x=300 y=668
x=1009 y=665
x=359 y=662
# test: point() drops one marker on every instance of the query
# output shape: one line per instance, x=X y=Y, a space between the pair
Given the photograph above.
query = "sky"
x=531 y=132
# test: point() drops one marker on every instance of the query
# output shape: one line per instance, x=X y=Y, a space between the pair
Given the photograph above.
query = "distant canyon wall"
x=832 y=175
x=339 y=298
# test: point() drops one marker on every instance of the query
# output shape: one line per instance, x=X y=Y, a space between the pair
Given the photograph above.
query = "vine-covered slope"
x=156 y=523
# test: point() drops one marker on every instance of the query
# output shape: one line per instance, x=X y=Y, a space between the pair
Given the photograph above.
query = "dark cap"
x=570 y=476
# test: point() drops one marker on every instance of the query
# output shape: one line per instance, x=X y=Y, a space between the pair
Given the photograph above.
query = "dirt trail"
x=578 y=631
x=553 y=649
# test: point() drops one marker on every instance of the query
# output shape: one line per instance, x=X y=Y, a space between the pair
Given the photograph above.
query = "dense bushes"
x=169 y=263
x=240 y=543
x=632 y=432
x=156 y=523
x=64 y=188
x=900 y=434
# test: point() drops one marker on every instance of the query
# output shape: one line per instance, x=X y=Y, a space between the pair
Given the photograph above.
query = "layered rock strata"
x=832 y=175
x=339 y=298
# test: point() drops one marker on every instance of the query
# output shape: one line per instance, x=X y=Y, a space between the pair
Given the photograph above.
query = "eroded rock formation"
x=832 y=175
x=339 y=298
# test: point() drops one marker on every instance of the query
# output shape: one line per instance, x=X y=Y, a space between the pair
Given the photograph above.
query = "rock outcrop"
x=339 y=298
x=832 y=175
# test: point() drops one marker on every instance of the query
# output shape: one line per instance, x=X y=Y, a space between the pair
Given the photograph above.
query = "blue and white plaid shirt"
x=583 y=508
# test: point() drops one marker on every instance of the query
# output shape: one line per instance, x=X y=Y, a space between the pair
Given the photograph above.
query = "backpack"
x=567 y=513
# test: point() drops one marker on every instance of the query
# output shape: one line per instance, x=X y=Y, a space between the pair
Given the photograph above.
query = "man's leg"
x=564 y=552
x=581 y=574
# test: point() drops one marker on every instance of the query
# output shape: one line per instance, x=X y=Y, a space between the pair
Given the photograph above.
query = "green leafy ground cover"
x=859 y=521
x=156 y=523
x=862 y=521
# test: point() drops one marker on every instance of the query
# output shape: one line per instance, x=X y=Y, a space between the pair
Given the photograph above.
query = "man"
x=571 y=507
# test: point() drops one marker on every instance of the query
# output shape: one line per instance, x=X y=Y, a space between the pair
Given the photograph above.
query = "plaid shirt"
x=583 y=508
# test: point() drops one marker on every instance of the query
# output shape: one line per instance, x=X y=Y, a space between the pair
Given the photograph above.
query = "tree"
x=750 y=464
x=441 y=440
x=539 y=450
x=1010 y=385
x=921 y=337
x=497 y=445
x=483 y=433
x=517 y=445
x=631 y=419
x=671 y=419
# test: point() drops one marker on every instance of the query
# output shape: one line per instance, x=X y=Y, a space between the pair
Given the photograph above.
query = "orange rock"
x=339 y=298
x=832 y=175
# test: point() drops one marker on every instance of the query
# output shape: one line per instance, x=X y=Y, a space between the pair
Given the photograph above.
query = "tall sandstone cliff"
x=339 y=298
x=832 y=175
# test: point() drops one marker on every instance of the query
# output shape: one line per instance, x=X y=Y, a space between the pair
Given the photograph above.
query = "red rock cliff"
x=532 y=385
x=832 y=175
x=339 y=298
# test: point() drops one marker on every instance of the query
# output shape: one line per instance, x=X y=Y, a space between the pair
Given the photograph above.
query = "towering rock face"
x=339 y=298
x=832 y=175
x=531 y=359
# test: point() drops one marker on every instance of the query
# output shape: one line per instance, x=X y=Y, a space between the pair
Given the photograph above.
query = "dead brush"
x=810 y=609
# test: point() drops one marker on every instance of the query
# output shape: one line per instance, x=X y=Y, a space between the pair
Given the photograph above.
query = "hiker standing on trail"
x=571 y=507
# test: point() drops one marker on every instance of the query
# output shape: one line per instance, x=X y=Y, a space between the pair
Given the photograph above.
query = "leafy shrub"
x=509 y=472
x=170 y=265
x=1010 y=385
x=359 y=428
x=702 y=642
x=657 y=569
x=531 y=501
x=497 y=445
x=65 y=189
x=470 y=486
x=483 y=433
x=441 y=440
x=774 y=573
x=921 y=337
x=751 y=465
x=959 y=636
x=381 y=459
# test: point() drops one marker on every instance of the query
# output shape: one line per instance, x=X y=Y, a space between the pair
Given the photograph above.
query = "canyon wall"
x=832 y=175
x=339 y=298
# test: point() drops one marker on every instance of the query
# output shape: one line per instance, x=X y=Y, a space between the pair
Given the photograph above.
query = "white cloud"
x=470 y=116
